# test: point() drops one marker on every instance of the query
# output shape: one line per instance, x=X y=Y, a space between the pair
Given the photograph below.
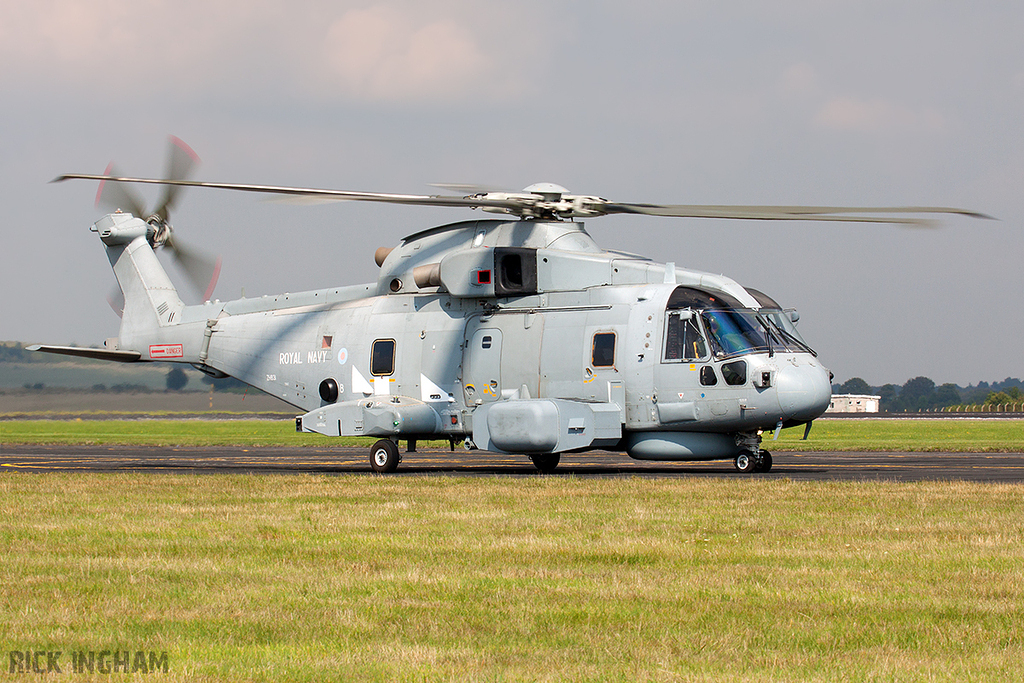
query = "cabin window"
x=708 y=377
x=382 y=357
x=683 y=340
x=735 y=373
x=603 y=350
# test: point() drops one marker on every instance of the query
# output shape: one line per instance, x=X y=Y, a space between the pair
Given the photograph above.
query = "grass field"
x=960 y=435
x=491 y=579
x=494 y=579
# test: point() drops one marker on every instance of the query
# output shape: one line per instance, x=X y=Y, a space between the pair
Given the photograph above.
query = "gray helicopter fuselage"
x=518 y=336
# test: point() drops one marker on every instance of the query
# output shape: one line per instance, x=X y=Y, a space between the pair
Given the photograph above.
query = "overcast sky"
x=857 y=102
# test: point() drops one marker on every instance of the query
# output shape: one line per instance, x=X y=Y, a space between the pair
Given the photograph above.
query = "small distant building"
x=853 y=403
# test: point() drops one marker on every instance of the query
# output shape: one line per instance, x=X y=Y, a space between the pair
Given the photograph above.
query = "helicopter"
x=516 y=335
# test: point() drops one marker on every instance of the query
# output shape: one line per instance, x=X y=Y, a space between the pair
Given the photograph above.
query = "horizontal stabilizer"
x=99 y=354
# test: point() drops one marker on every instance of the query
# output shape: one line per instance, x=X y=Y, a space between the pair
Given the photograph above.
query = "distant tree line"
x=123 y=388
x=921 y=393
x=120 y=388
x=1002 y=398
x=178 y=380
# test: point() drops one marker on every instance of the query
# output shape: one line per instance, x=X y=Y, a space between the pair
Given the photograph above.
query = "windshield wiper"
x=767 y=334
x=796 y=341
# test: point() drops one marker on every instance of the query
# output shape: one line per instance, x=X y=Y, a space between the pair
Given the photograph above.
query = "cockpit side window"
x=683 y=339
x=785 y=320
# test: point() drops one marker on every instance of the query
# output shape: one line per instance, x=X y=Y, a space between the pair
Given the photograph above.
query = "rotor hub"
x=159 y=232
x=544 y=201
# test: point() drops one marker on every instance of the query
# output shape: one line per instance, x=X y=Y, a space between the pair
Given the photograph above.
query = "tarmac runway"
x=982 y=467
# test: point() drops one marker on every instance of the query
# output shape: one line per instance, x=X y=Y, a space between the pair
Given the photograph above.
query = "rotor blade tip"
x=99 y=190
x=213 y=280
x=183 y=146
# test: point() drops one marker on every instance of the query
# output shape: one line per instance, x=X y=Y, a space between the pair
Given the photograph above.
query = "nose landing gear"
x=752 y=458
x=749 y=461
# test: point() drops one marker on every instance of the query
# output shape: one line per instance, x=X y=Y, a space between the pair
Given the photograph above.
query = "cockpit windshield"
x=733 y=332
x=731 y=329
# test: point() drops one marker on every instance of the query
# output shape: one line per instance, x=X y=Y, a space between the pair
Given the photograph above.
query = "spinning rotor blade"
x=201 y=268
x=414 y=199
x=555 y=203
x=119 y=196
x=789 y=213
x=116 y=301
x=180 y=162
x=467 y=189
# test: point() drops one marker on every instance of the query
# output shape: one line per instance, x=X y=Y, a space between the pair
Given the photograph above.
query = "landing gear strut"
x=752 y=458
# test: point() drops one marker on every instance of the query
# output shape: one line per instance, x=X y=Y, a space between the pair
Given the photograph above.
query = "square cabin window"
x=382 y=357
x=603 y=355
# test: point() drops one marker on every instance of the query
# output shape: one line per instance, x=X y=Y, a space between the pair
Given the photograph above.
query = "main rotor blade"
x=181 y=160
x=590 y=206
x=466 y=189
x=413 y=199
x=118 y=196
x=789 y=213
x=201 y=268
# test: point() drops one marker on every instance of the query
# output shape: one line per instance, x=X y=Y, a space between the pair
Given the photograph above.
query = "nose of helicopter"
x=805 y=391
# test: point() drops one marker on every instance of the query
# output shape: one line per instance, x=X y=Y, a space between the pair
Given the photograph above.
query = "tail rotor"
x=201 y=268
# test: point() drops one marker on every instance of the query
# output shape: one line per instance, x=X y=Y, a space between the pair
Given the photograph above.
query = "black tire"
x=384 y=456
x=746 y=462
x=546 y=462
x=766 y=462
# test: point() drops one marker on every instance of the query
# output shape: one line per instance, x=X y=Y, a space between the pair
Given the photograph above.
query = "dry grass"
x=316 y=578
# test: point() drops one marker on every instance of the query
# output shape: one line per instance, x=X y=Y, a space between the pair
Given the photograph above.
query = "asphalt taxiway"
x=844 y=466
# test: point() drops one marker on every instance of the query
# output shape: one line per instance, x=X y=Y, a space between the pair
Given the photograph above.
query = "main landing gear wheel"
x=384 y=456
x=546 y=462
x=764 y=463
x=746 y=462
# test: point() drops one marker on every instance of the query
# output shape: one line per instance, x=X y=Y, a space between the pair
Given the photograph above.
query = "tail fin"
x=150 y=300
